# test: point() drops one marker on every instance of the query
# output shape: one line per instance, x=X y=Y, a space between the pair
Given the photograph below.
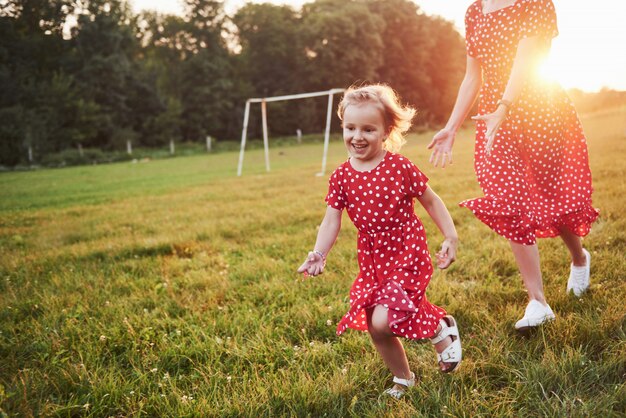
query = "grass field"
x=168 y=288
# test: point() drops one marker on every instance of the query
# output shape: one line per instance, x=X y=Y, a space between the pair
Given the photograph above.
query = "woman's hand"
x=492 y=122
x=442 y=147
x=313 y=265
x=447 y=254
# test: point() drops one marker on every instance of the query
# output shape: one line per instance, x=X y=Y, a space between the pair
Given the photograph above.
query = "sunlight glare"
x=548 y=70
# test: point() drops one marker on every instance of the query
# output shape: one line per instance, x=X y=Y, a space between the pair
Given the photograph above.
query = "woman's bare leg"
x=527 y=257
x=575 y=246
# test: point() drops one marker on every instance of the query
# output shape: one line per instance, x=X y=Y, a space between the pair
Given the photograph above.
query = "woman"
x=531 y=154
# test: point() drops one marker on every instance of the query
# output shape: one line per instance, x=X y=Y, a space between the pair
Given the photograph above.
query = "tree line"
x=93 y=74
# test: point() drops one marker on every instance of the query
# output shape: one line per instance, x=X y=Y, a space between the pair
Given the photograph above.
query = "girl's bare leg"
x=387 y=344
x=527 y=257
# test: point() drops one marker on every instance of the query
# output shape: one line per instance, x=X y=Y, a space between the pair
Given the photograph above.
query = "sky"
x=588 y=54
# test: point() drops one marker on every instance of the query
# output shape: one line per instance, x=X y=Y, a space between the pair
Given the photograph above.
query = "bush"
x=72 y=157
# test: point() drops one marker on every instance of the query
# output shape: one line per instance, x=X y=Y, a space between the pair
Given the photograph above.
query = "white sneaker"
x=578 y=281
x=536 y=314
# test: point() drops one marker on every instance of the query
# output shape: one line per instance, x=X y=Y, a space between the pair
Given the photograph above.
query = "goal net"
x=330 y=93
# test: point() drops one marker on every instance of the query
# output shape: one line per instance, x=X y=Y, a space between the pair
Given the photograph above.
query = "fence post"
x=129 y=147
x=209 y=143
x=30 y=154
x=172 y=149
x=299 y=135
x=80 y=150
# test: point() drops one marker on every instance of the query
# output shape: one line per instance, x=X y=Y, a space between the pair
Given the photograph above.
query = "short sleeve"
x=335 y=197
x=538 y=18
x=470 y=22
x=415 y=181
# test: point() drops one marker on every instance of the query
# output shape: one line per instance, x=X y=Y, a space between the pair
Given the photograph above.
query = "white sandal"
x=407 y=383
x=453 y=353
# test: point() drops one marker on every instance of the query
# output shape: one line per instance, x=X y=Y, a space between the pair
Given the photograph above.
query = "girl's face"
x=364 y=131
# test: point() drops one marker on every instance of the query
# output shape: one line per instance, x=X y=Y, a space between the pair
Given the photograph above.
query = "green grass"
x=167 y=288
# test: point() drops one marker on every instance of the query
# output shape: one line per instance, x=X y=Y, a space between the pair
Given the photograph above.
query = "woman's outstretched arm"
x=468 y=91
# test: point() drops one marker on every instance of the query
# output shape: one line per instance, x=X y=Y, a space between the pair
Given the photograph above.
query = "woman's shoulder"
x=473 y=8
x=522 y=2
x=533 y=3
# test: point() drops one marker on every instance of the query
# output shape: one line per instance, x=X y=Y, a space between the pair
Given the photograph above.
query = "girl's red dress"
x=537 y=177
x=394 y=263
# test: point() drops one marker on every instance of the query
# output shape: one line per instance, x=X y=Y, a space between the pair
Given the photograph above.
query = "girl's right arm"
x=444 y=139
x=326 y=236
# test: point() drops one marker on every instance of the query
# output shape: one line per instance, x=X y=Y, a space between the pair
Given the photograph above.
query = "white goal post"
x=330 y=93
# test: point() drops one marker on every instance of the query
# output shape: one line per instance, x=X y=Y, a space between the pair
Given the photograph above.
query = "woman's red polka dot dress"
x=394 y=263
x=537 y=177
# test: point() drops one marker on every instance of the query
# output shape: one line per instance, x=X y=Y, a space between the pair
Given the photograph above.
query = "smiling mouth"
x=359 y=146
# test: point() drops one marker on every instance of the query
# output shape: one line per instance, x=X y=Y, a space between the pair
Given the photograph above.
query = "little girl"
x=377 y=187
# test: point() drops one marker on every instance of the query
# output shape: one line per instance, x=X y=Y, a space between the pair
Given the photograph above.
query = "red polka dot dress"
x=394 y=263
x=537 y=177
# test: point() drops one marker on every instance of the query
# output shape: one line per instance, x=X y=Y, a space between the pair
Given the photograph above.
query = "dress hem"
x=522 y=228
x=410 y=314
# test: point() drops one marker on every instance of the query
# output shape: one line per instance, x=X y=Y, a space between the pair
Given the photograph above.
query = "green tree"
x=165 y=43
x=35 y=89
x=343 y=43
x=34 y=16
x=104 y=46
x=206 y=95
x=423 y=57
x=445 y=67
x=271 y=61
x=59 y=117
x=206 y=87
x=272 y=53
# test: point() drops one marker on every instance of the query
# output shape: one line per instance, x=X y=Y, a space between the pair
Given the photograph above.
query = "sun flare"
x=549 y=70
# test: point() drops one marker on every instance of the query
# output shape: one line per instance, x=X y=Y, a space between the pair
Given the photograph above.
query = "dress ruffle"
x=406 y=319
x=523 y=227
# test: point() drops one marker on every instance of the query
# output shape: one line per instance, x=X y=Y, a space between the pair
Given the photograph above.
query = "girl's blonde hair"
x=397 y=118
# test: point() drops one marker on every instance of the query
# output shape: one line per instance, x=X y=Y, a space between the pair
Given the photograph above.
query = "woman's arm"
x=529 y=53
x=444 y=140
x=326 y=236
x=440 y=215
x=468 y=91
x=527 y=57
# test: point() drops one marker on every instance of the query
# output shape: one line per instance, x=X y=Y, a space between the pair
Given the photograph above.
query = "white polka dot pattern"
x=537 y=177
x=394 y=263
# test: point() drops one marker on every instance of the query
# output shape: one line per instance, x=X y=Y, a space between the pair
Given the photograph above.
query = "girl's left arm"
x=527 y=58
x=440 y=215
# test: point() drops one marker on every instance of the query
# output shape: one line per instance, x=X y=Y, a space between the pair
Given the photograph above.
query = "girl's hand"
x=447 y=255
x=492 y=122
x=442 y=147
x=313 y=265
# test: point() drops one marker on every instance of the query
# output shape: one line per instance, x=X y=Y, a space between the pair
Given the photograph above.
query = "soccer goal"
x=330 y=93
